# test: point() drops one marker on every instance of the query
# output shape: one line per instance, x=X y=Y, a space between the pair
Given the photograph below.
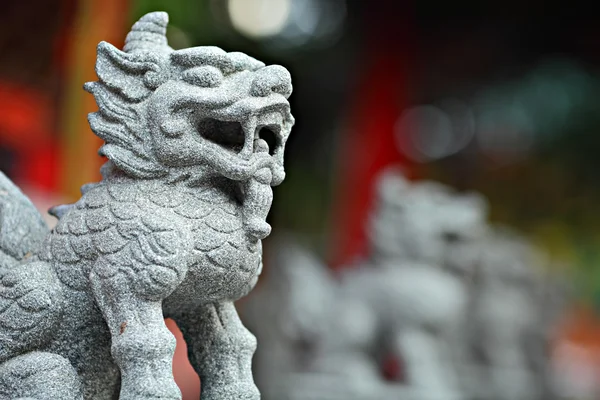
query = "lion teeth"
x=249 y=128
x=270 y=118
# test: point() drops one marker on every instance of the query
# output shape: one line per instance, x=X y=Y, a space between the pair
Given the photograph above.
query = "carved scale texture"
x=150 y=234
x=22 y=228
x=29 y=292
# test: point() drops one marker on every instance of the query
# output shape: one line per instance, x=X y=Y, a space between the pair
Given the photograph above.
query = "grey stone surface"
x=173 y=229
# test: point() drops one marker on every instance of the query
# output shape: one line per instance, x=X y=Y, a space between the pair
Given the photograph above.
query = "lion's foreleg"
x=142 y=346
x=220 y=350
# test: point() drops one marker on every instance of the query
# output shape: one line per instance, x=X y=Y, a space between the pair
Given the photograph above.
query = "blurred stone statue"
x=420 y=236
x=316 y=344
x=326 y=335
x=496 y=306
x=510 y=321
x=460 y=304
x=173 y=229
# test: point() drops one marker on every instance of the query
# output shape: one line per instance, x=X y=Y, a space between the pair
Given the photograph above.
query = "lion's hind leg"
x=39 y=376
x=220 y=349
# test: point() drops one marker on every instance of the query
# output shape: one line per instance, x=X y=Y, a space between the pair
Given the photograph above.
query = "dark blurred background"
x=498 y=97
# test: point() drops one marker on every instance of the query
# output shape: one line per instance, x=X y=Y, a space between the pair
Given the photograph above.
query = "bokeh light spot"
x=259 y=18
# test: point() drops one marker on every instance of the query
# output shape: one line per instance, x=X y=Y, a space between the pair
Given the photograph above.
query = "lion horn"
x=148 y=33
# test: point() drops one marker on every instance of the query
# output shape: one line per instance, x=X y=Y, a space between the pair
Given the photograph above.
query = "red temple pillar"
x=369 y=145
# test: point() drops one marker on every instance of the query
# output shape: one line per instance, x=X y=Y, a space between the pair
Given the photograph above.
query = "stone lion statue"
x=194 y=140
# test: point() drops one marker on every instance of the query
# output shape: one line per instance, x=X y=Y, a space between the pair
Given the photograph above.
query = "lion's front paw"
x=240 y=390
x=142 y=384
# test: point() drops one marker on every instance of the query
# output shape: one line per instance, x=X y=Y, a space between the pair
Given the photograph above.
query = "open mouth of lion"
x=240 y=138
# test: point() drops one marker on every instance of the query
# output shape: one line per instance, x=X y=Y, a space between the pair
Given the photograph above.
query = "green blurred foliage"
x=553 y=193
x=193 y=17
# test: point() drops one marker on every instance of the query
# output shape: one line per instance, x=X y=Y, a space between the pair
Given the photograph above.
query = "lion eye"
x=205 y=76
x=451 y=237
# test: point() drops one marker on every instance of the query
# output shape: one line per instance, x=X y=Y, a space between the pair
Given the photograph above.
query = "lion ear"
x=126 y=73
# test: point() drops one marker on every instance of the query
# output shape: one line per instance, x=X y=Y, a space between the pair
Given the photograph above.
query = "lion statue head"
x=425 y=221
x=180 y=113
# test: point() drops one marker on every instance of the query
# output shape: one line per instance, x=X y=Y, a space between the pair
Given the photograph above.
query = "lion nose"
x=271 y=79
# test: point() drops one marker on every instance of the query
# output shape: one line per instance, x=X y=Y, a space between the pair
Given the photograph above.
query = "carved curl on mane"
x=125 y=80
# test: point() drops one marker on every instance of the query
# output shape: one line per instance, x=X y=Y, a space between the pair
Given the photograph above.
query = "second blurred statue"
x=455 y=301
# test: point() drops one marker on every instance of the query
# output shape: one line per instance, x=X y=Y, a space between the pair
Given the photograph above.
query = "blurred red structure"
x=369 y=145
x=26 y=129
